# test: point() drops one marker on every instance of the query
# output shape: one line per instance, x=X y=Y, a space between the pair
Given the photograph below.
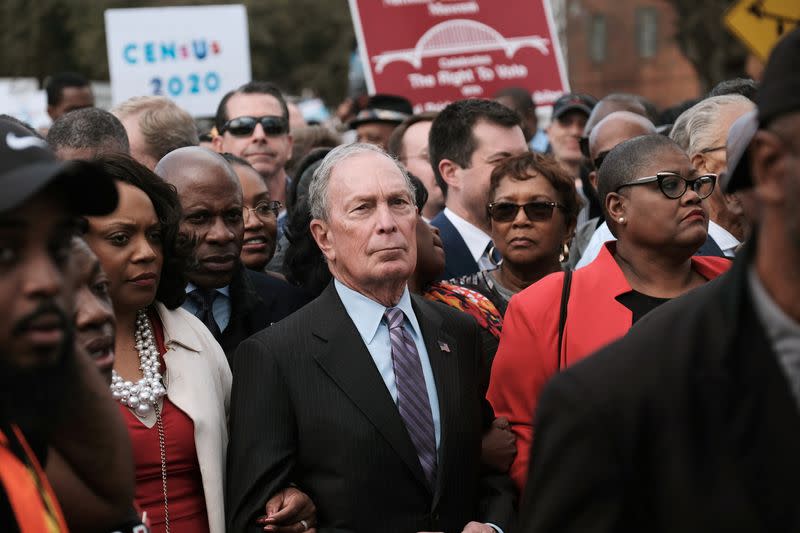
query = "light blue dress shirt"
x=367 y=315
x=221 y=308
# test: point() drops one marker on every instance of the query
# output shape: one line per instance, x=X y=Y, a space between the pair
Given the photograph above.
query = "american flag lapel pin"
x=444 y=347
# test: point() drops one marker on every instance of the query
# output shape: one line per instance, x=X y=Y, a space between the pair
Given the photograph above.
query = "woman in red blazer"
x=653 y=203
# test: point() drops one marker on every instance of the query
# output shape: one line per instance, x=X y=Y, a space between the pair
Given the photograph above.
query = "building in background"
x=625 y=46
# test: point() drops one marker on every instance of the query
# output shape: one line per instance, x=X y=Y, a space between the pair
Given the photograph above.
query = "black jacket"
x=686 y=424
x=309 y=407
x=257 y=301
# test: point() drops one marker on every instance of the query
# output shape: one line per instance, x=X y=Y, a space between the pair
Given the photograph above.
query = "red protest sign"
x=436 y=51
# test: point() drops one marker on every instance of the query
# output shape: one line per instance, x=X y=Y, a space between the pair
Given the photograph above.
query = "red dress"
x=186 y=500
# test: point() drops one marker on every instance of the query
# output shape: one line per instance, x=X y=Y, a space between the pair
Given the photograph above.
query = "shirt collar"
x=474 y=237
x=367 y=314
x=723 y=238
x=776 y=322
x=226 y=290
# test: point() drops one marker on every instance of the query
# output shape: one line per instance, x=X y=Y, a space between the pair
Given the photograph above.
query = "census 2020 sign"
x=436 y=51
x=192 y=55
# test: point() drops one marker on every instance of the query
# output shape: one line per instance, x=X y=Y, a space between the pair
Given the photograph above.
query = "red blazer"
x=527 y=357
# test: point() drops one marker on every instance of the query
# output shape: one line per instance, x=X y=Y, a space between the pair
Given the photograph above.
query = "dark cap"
x=779 y=92
x=27 y=165
x=384 y=108
x=737 y=175
x=574 y=102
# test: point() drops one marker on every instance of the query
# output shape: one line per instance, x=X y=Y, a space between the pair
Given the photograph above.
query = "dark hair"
x=89 y=127
x=744 y=86
x=451 y=132
x=529 y=165
x=302 y=178
x=626 y=161
x=670 y=114
x=303 y=264
x=123 y=168
x=420 y=192
x=395 y=145
x=55 y=85
x=252 y=87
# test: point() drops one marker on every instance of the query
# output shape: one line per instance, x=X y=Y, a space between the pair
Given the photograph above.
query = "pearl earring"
x=621 y=220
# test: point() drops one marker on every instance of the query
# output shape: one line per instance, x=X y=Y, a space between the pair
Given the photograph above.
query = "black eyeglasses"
x=243 y=126
x=265 y=210
x=597 y=161
x=673 y=185
x=535 y=211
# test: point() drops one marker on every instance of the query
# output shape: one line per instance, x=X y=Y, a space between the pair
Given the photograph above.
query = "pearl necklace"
x=144 y=395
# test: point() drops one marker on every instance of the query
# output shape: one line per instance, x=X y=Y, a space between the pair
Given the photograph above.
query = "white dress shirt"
x=475 y=238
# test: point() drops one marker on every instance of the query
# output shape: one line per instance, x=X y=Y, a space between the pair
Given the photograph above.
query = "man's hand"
x=477 y=527
x=289 y=511
x=498 y=446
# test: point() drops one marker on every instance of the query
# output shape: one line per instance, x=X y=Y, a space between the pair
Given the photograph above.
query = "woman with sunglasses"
x=533 y=207
x=169 y=374
x=653 y=200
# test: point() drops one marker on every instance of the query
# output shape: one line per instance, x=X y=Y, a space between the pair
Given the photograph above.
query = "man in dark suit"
x=690 y=423
x=368 y=399
x=232 y=301
x=466 y=139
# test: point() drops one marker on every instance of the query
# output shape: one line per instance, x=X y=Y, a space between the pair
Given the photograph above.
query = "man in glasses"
x=701 y=131
x=690 y=422
x=232 y=301
x=252 y=122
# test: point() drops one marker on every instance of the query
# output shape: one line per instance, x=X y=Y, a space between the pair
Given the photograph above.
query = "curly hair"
x=530 y=165
x=176 y=250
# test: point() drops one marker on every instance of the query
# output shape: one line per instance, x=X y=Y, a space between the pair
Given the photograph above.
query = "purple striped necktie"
x=412 y=395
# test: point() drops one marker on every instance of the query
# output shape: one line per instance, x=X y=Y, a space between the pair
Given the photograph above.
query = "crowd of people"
x=451 y=321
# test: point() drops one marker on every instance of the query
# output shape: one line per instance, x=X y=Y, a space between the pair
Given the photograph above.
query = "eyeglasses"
x=673 y=185
x=535 y=211
x=265 y=210
x=599 y=159
x=243 y=126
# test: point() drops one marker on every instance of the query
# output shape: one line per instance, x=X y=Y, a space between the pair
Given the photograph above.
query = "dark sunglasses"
x=535 y=211
x=243 y=126
x=673 y=185
x=599 y=159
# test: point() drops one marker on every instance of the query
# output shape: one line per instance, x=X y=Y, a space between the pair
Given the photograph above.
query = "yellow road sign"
x=759 y=24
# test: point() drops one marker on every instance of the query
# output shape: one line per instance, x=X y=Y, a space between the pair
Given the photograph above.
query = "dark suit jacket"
x=309 y=407
x=257 y=300
x=458 y=260
x=686 y=424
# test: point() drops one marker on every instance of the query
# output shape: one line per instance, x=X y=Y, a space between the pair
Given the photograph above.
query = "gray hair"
x=696 y=128
x=318 y=188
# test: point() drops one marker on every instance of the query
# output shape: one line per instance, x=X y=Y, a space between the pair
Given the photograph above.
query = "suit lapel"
x=441 y=352
x=349 y=364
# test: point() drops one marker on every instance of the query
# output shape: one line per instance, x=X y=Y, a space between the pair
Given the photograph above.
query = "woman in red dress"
x=170 y=375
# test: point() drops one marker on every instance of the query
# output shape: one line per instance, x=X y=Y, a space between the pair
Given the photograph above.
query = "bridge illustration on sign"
x=459 y=36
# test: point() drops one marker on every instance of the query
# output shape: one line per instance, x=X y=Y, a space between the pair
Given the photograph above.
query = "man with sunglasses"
x=252 y=122
x=690 y=423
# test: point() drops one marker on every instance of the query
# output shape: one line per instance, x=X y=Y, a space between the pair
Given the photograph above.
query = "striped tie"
x=412 y=395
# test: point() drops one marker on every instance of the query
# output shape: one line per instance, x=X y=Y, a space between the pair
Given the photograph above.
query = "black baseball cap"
x=737 y=174
x=779 y=92
x=27 y=165
x=574 y=102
